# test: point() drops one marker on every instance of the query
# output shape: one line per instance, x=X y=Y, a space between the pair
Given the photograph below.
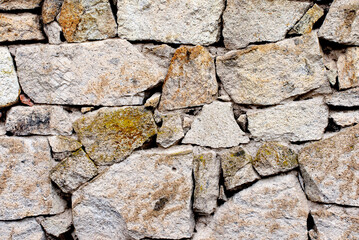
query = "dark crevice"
x=113 y=9
x=221 y=183
x=23 y=42
x=173 y=45
x=332 y=126
x=36 y=11
x=310 y=222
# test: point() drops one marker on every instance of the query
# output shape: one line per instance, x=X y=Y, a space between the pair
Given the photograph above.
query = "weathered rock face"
x=150 y=193
x=23 y=229
x=348 y=68
x=294 y=121
x=267 y=74
x=265 y=21
x=346 y=118
x=307 y=22
x=171 y=130
x=64 y=143
x=107 y=73
x=53 y=32
x=25 y=165
x=50 y=9
x=341 y=24
x=111 y=134
x=9 y=86
x=336 y=180
x=19 y=4
x=58 y=224
x=348 y=98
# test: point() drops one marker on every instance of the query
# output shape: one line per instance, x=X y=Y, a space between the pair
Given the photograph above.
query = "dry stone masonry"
x=179 y=120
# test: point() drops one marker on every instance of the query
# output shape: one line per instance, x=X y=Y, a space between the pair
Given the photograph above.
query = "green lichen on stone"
x=234 y=159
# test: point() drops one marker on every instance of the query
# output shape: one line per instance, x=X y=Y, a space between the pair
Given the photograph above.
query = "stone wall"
x=176 y=119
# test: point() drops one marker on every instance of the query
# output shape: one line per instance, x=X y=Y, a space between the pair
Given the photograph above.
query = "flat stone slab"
x=347 y=98
x=19 y=4
x=346 y=118
x=58 y=224
x=348 y=68
x=28 y=229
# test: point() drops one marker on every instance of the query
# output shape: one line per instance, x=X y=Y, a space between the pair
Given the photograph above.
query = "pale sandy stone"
x=87 y=109
x=53 y=32
x=171 y=130
x=27 y=229
x=306 y=23
x=267 y=74
x=242 y=121
x=64 y=143
x=50 y=9
x=58 y=224
x=250 y=21
x=222 y=195
x=294 y=121
x=108 y=73
x=149 y=192
x=26 y=189
x=153 y=100
x=193 y=22
x=348 y=68
x=347 y=98
x=19 y=4
x=346 y=118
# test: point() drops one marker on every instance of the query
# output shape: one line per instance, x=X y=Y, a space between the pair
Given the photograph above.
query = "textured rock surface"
x=191 y=79
x=154 y=199
x=20 y=27
x=9 y=86
x=348 y=67
x=342 y=22
x=27 y=229
x=171 y=130
x=153 y=100
x=58 y=224
x=105 y=73
x=294 y=121
x=215 y=127
x=26 y=188
x=111 y=134
x=194 y=22
x=64 y=143
x=39 y=120
x=53 y=32
x=337 y=178
x=346 y=118
x=265 y=21
x=50 y=9
x=19 y=4
x=306 y=23
x=267 y=74
x=348 y=98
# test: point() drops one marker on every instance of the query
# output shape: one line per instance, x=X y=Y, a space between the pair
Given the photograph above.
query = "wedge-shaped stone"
x=348 y=67
x=194 y=22
x=150 y=193
x=19 y=4
x=27 y=229
x=341 y=24
x=108 y=73
x=250 y=21
x=348 y=98
x=295 y=121
x=58 y=224
x=191 y=79
x=306 y=23
x=171 y=130
x=111 y=134
x=267 y=74
x=274 y=208
x=216 y=127
x=337 y=178
x=25 y=185
x=346 y=118
x=50 y=9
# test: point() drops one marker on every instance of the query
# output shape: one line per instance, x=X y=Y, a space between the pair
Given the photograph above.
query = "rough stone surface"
x=27 y=229
x=306 y=23
x=53 y=32
x=346 y=118
x=25 y=185
x=348 y=98
x=107 y=73
x=215 y=127
x=267 y=74
x=58 y=224
x=341 y=24
x=191 y=79
x=39 y=120
x=206 y=177
x=348 y=68
x=73 y=171
x=273 y=158
x=83 y=20
x=337 y=178
x=50 y=9
x=19 y=4
x=64 y=143
x=274 y=208
x=171 y=130
x=265 y=21
x=194 y=22
x=153 y=100
x=237 y=168
x=295 y=121
x=9 y=86
x=111 y=134
x=150 y=193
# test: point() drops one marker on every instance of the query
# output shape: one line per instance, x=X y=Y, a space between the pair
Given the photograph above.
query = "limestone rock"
x=64 y=143
x=191 y=79
x=50 y=9
x=348 y=98
x=337 y=178
x=265 y=21
x=111 y=134
x=341 y=24
x=150 y=193
x=306 y=23
x=294 y=121
x=19 y=4
x=9 y=86
x=25 y=185
x=108 y=73
x=153 y=100
x=53 y=32
x=27 y=229
x=348 y=67
x=267 y=74
x=171 y=130
x=83 y=20
x=242 y=121
x=215 y=127
x=346 y=118
x=237 y=168
x=58 y=224
x=273 y=158
x=206 y=176
x=39 y=120
x=193 y=22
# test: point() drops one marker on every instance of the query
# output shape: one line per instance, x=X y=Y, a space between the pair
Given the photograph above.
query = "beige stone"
x=50 y=9
x=19 y=4
x=64 y=143
x=346 y=118
x=348 y=68
x=53 y=32
x=153 y=100
x=306 y=23
x=58 y=224
x=27 y=229
x=171 y=130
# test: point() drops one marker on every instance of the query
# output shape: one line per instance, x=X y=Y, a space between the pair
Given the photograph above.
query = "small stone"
x=191 y=79
x=268 y=74
x=25 y=100
x=347 y=98
x=348 y=68
x=171 y=130
x=50 y=9
x=58 y=224
x=187 y=122
x=337 y=178
x=215 y=127
x=53 y=32
x=273 y=158
x=294 y=121
x=87 y=109
x=242 y=121
x=109 y=135
x=64 y=143
x=223 y=95
x=332 y=77
x=222 y=195
x=306 y=23
x=39 y=120
x=265 y=21
x=346 y=118
x=206 y=176
x=87 y=20
x=237 y=168
x=20 y=27
x=153 y=100
x=9 y=86
x=27 y=229
x=19 y=5
x=192 y=22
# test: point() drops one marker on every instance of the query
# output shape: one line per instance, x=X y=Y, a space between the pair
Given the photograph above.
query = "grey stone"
x=153 y=100
x=171 y=130
x=347 y=98
x=348 y=67
x=53 y=32
x=27 y=229
x=306 y=23
x=19 y=4
x=64 y=143
x=346 y=118
x=58 y=224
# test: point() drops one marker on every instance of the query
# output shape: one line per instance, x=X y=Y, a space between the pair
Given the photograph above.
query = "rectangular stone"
x=19 y=4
